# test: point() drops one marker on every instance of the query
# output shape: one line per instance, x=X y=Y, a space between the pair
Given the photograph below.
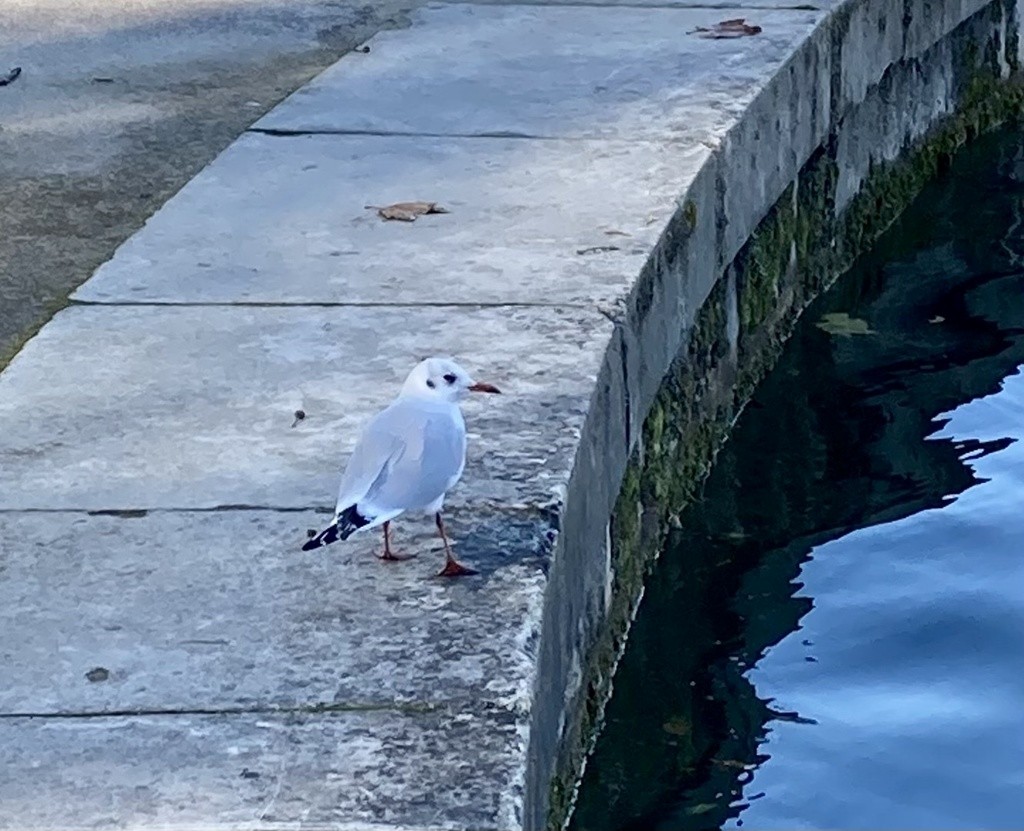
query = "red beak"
x=481 y=387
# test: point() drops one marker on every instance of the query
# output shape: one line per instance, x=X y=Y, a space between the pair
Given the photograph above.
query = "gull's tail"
x=344 y=526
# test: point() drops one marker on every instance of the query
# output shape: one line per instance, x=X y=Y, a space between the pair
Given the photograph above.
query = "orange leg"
x=388 y=553
x=452 y=568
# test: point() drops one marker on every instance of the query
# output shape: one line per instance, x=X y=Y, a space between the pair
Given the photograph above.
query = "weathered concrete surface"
x=124 y=406
x=181 y=408
x=119 y=104
x=343 y=771
x=507 y=232
x=194 y=611
x=610 y=73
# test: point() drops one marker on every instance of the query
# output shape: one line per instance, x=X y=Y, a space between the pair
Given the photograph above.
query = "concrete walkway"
x=172 y=660
x=119 y=104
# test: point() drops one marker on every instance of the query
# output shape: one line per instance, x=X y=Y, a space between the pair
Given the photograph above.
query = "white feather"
x=408 y=456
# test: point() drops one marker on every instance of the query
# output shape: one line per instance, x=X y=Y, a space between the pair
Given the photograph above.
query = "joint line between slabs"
x=310 y=709
x=138 y=513
x=342 y=132
x=327 y=304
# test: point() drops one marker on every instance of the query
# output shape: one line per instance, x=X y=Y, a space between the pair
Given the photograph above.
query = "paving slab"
x=114 y=408
x=284 y=219
x=341 y=771
x=551 y=71
x=198 y=611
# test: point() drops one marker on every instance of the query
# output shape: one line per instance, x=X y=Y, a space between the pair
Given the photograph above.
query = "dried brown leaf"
x=735 y=28
x=407 y=211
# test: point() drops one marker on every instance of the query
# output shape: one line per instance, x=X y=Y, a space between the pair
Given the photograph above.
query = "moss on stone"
x=988 y=102
x=764 y=262
x=681 y=434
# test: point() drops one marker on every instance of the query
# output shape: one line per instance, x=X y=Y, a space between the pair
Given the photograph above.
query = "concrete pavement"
x=120 y=104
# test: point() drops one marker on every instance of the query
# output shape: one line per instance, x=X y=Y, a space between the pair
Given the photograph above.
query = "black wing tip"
x=325 y=537
x=350 y=521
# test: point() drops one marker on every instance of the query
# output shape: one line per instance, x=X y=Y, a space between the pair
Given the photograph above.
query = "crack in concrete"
x=138 y=513
x=297 y=132
x=285 y=132
x=319 y=708
x=545 y=509
x=331 y=304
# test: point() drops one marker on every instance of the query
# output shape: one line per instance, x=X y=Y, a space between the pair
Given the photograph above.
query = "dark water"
x=834 y=639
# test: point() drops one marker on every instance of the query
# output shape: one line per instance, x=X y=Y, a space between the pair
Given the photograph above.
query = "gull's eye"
x=451 y=377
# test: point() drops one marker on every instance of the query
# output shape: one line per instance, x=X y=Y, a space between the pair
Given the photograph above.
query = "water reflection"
x=833 y=637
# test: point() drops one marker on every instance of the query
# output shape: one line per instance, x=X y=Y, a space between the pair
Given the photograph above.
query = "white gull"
x=409 y=456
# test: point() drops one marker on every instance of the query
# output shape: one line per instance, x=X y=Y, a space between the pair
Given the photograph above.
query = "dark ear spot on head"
x=451 y=377
x=430 y=383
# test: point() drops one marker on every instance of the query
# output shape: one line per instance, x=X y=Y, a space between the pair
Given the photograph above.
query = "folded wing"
x=409 y=455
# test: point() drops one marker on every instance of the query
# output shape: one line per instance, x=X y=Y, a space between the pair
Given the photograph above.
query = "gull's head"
x=443 y=379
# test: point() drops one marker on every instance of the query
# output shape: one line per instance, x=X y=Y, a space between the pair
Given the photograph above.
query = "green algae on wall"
x=680 y=438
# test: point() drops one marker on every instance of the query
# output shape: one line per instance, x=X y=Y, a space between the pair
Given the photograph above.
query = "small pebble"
x=97 y=674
